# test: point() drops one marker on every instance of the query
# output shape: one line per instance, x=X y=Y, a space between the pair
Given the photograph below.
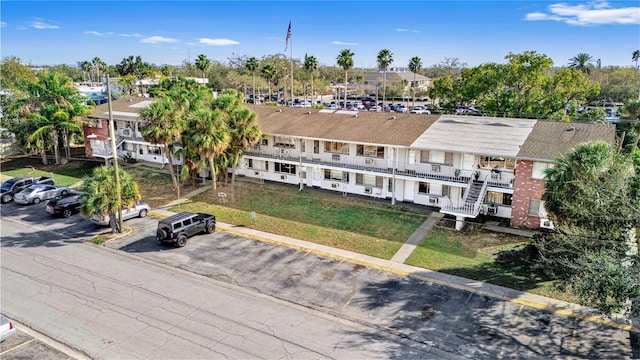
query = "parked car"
x=64 y=206
x=401 y=108
x=6 y=328
x=420 y=110
x=15 y=185
x=139 y=210
x=176 y=229
x=34 y=194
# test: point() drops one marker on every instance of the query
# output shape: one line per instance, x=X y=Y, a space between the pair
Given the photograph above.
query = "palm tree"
x=252 y=65
x=385 y=58
x=208 y=136
x=203 y=64
x=86 y=70
x=100 y=196
x=635 y=57
x=58 y=103
x=345 y=60
x=163 y=125
x=269 y=72
x=415 y=64
x=245 y=132
x=97 y=66
x=311 y=65
x=582 y=62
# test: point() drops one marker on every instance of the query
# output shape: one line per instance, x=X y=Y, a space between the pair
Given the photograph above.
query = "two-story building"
x=463 y=165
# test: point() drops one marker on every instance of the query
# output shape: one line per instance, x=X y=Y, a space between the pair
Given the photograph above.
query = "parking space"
x=28 y=344
x=451 y=319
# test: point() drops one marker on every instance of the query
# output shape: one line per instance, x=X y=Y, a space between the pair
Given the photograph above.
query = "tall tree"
x=164 y=124
x=345 y=61
x=56 y=100
x=207 y=135
x=12 y=72
x=311 y=65
x=86 y=70
x=582 y=62
x=252 y=65
x=269 y=72
x=385 y=58
x=415 y=64
x=100 y=195
x=203 y=64
x=244 y=133
x=635 y=57
x=593 y=196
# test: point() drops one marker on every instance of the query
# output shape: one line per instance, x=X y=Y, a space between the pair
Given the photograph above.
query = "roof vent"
x=308 y=112
x=355 y=115
x=392 y=118
x=279 y=110
x=571 y=128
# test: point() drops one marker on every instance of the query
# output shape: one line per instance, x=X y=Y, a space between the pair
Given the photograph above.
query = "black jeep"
x=177 y=228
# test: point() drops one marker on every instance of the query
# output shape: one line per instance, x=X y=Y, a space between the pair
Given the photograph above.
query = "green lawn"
x=355 y=225
x=63 y=175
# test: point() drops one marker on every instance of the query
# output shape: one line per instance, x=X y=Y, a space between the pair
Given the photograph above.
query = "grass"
x=64 y=175
x=355 y=225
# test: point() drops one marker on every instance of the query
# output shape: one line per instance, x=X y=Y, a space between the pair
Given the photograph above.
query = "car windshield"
x=7 y=185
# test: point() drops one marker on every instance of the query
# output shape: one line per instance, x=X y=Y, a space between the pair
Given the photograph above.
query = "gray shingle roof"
x=548 y=139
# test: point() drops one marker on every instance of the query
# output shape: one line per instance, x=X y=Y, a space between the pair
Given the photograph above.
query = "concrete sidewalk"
x=396 y=265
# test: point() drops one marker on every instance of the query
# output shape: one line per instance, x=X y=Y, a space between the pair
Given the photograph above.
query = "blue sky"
x=168 y=32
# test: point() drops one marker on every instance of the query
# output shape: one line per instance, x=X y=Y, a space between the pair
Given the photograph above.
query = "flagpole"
x=291 y=62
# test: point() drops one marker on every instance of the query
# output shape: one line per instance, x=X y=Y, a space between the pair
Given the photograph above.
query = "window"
x=534 y=207
x=497 y=162
x=250 y=163
x=336 y=175
x=423 y=188
x=285 y=168
x=303 y=174
x=369 y=180
x=265 y=142
x=155 y=150
x=499 y=198
x=370 y=151
x=316 y=146
x=446 y=190
x=287 y=142
x=425 y=156
x=336 y=147
x=303 y=146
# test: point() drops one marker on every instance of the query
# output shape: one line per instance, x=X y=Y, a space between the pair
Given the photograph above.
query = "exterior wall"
x=102 y=134
x=525 y=189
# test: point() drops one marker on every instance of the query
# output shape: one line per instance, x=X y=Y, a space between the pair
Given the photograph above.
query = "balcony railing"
x=463 y=177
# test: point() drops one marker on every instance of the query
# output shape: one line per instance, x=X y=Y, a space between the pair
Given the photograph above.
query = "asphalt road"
x=356 y=311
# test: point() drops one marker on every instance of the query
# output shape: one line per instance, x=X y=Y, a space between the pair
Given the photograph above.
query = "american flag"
x=288 y=36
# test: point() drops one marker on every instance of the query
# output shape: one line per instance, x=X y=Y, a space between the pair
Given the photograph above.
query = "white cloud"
x=407 y=30
x=217 y=42
x=3 y=24
x=41 y=25
x=592 y=13
x=343 y=43
x=131 y=35
x=97 y=33
x=157 y=40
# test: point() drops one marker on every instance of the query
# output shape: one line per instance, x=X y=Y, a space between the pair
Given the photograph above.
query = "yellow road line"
x=17 y=346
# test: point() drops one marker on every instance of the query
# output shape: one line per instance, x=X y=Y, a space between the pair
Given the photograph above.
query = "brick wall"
x=525 y=188
x=102 y=133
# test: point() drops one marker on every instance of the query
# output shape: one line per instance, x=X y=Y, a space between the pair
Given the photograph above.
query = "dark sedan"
x=64 y=206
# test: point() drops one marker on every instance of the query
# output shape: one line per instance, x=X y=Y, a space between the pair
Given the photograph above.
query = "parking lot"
x=453 y=320
x=28 y=344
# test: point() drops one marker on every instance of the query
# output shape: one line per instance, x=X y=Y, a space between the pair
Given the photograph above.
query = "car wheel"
x=142 y=213
x=211 y=227
x=7 y=198
x=161 y=234
x=36 y=201
x=66 y=213
x=64 y=193
x=182 y=240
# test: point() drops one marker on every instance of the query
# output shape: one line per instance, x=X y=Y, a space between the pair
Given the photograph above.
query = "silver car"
x=34 y=194
x=139 y=210
x=6 y=328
